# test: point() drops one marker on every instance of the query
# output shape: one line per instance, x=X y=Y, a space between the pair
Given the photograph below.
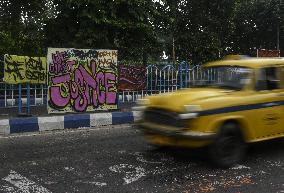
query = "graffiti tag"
x=132 y=77
x=79 y=82
x=24 y=69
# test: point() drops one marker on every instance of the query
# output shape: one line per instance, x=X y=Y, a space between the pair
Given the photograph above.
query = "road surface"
x=117 y=159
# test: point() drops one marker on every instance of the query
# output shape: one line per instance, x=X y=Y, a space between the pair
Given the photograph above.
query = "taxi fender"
x=243 y=123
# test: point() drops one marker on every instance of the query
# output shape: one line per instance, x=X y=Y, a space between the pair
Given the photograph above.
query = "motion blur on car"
x=239 y=100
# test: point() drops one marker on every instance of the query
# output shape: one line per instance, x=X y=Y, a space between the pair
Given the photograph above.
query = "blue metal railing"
x=160 y=79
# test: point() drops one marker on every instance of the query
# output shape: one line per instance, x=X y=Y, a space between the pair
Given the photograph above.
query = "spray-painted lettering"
x=78 y=82
x=132 y=77
x=24 y=69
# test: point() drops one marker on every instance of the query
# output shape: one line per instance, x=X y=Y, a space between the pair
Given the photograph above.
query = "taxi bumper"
x=173 y=132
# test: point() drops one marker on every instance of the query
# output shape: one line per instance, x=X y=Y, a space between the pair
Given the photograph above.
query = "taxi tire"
x=228 y=149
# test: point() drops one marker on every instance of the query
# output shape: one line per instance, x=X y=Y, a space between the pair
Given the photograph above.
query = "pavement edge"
x=62 y=122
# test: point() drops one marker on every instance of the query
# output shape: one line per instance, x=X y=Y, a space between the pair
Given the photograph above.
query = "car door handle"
x=281 y=95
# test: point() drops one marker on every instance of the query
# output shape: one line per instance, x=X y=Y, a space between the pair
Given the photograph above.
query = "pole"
x=180 y=69
x=278 y=37
x=278 y=26
x=174 y=54
x=28 y=99
x=186 y=74
x=20 y=99
x=5 y=95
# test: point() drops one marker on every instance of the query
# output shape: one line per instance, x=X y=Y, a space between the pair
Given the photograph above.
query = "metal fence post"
x=180 y=68
x=28 y=99
x=151 y=80
x=147 y=83
x=160 y=81
x=186 y=74
x=41 y=86
x=172 y=79
x=164 y=80
x=176 y=81
x=35 y=94
x=5 y=95
x=156 y=80
x=20 y=99
x=128 y=96
x=12 y=93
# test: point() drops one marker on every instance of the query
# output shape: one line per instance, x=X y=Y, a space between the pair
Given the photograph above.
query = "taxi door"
x=281 y=97
x=269 y=99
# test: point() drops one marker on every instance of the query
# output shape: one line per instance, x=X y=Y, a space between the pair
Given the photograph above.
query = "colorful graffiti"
x=132 y=78
x=24 y=69
x=81 y=80
x=268 y=53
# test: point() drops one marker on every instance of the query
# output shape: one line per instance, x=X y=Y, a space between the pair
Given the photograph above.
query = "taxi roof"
x=247 y=62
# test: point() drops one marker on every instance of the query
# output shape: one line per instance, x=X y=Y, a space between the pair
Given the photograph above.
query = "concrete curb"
x=74 y=121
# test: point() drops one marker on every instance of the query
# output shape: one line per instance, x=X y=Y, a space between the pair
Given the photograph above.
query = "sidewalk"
x=40 y=121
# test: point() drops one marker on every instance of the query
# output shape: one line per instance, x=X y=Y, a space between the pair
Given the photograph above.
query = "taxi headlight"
x=188 y=115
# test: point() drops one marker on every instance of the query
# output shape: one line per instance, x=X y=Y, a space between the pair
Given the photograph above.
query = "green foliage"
x=21 y=27
x=122 y=25
x=256 y=25
x=141 y=30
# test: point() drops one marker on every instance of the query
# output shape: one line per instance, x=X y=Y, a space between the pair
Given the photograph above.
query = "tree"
x=257 y=23
x=197 y=30
x=21 y=27
x=123 y=25
x=201 y=29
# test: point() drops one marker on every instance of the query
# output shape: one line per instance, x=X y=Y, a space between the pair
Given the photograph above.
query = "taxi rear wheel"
x=229 y=147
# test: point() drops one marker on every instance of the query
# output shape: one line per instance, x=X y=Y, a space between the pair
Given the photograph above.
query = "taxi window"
x=268 y=79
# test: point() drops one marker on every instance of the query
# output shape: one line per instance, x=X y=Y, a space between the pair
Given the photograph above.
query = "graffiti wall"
x=268 y=53
x=24 y=69
x=132 y=77
x=81 y=80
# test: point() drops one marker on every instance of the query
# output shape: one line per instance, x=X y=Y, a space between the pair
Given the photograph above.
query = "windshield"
x=227 y=77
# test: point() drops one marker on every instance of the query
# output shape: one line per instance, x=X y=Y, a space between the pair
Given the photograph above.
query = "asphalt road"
x=118 y=159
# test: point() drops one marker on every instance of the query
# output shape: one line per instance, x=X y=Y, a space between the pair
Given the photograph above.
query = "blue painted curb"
x=74 y=121
x=24 y=125
x=122 y=118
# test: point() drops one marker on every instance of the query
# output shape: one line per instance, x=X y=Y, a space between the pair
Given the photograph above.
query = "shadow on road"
x=264 y=150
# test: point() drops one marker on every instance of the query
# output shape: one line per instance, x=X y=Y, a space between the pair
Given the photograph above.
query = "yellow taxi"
x=238 y=101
